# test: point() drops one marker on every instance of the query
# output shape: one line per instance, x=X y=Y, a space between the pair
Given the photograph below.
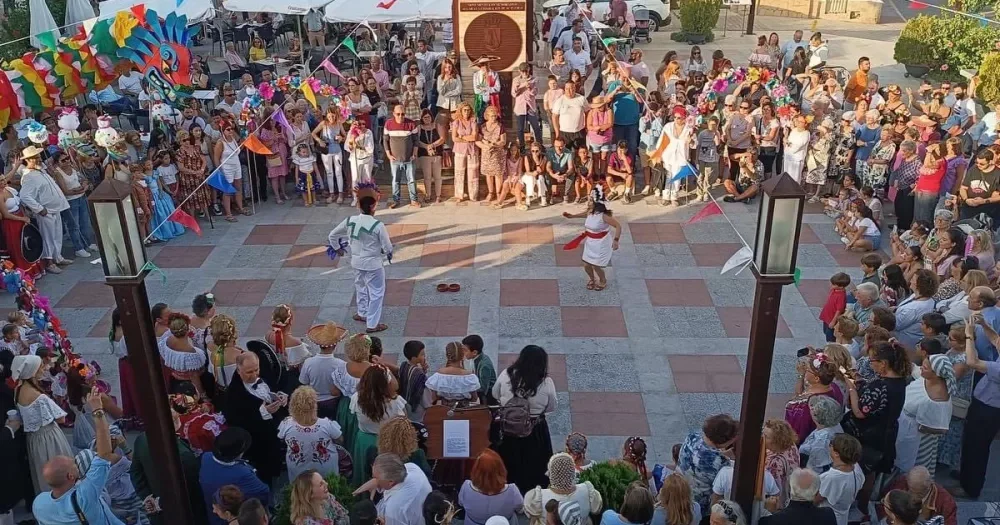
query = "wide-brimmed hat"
x=923 y=121
x=230 y=443
x=31 y=151
x=326 y=335
x=598 y=101
x=485 y=59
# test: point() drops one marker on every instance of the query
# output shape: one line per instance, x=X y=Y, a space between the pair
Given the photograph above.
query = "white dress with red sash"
x=597 y=247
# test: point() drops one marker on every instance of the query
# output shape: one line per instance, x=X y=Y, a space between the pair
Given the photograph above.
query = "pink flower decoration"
x=944 y=67
x=266 y=90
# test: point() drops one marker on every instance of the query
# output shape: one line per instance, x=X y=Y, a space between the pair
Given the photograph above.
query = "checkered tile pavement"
x=661 y=348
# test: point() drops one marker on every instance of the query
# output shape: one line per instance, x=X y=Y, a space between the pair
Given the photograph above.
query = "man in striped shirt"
x=399 y=139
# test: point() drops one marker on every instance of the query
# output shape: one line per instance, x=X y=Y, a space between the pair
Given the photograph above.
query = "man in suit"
x=251 y=405
x=803 y=486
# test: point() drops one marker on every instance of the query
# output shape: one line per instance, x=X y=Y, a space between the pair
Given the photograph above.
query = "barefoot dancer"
x=369 y=242
x=597 y=244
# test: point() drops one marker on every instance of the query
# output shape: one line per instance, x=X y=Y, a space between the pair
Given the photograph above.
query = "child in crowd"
x=472 y=347
x=621 y=168
x=862 y=233
x=902 y=242
x=845 y=332
x=306 y=182
x=12 y=343
x=870 y=263
x=412 y=97
x=836 y=303
x=839 y=486
x=660 y=472
x=894 y=287
x=873 y=202
x=585 y=166
x=634 y=455
x=142 y=200
x=874 y=336
x=166 y=170
x=413 y=379
x=709 y=140
x=576 y=446
x=815 y=449
x=512 y=177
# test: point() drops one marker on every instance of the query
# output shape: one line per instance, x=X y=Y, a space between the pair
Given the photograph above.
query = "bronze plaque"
x=494 y=34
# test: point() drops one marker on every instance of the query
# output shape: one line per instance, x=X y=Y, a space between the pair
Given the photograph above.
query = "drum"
x=270 y=366
x=31 y=243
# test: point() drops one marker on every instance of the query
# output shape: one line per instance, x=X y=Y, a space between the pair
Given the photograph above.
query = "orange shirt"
x=856 y=86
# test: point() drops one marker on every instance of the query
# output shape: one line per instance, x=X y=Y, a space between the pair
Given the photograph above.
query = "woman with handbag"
x=950 y=447
x=874 y=409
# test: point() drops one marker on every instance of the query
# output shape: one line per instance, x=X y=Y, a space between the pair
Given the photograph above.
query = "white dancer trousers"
x=51 y=228
x=370 y=288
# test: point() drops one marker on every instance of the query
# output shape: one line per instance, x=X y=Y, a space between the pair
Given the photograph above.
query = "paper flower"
x=122 y=27
x=37 y=132
x=266 y=90
x=944 y=67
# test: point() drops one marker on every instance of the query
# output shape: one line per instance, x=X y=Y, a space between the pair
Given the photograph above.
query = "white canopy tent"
x=401 y=11
x=196 y=10
x=288 y=7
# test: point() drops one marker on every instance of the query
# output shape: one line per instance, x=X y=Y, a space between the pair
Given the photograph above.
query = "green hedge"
x=699 y=16
x=947 y=44
x=989 y=79
x=610 y=479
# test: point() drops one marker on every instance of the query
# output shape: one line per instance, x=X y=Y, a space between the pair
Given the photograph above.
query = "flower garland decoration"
x=39 y=310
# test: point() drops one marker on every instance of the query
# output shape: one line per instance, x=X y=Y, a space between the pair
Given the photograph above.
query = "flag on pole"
x=797 y=276
x=330 y=68
x=255 y=145
x=683 y=173
x=279 y=117
x=709 y=210
x=218 y=181
x=349 y=44
x=741 y=257
x=917 y=6
x=307 y=92
x=186 y=220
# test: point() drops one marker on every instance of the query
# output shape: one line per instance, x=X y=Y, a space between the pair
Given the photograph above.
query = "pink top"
x=524 y=103
x=601 y=118
x=464 y=128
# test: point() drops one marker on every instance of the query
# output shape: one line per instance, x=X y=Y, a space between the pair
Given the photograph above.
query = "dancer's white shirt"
x=368 y=238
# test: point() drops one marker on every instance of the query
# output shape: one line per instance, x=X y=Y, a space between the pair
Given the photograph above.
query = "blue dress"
x=163 y=206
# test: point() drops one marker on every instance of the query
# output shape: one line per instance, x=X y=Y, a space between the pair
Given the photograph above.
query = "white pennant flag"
x=740 y=258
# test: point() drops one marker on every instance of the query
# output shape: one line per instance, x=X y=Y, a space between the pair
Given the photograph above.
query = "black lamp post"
x=779 y=222
x=124 y=257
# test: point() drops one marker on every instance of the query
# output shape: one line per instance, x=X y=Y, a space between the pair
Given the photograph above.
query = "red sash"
x=572 y=245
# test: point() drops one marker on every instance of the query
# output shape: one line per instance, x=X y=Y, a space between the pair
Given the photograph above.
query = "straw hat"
x=598 y=101
x=31 y=151
x=326 y=335
x=485 y=59
x=923 y=121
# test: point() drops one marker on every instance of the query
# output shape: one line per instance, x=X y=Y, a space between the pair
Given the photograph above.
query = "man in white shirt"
x=317 y=371
x=722 y=487
x=369 y=242
x=789 y=47
x=578 y=58
x=315 y=28
x=41 y=194
x=963 y=111
x=404 y=488
x=555 y=31
x=130 y=84
x=984 y=132
x=839 y=486
x=818 y=51
x=569 y=114
x=567 y=38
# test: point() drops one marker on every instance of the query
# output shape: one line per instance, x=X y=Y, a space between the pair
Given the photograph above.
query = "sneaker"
x=544 y=202
x=52 y=268
x=64 y=262
x=217 y=209
x=92 y=247
x=82 y=253
x=705 y=198
x=392 y=204
x=627 y=199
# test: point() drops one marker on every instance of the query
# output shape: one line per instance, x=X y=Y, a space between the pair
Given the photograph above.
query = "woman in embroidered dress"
x=291 y=349
x=312 y=503
x=126 y=376
x=40 y=417
x=203 y=307
x=309 y=438
x=875 y=172
x=816 y=376
x=197 y=422
x=781 y=453
x=345 y=381
x=190 y=173
x=597 y=244
x=452 y=383
x=273 y=136
x=182 y=360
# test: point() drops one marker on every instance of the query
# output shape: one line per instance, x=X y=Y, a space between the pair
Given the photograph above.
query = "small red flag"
x=186 y=220
x=917 y=6
x=139 y=12
x=386 y=5
x=710 y=209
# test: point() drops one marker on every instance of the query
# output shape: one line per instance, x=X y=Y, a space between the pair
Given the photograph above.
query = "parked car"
x=659 y=10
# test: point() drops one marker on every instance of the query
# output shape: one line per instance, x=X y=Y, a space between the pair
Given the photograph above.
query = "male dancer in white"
x=369 y=241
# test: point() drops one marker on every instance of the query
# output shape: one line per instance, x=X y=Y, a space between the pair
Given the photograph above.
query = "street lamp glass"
x=781 y=248
x=778 y=223
x=117 y=227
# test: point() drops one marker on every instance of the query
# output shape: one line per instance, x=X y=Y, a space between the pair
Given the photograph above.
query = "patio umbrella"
x=41 y=22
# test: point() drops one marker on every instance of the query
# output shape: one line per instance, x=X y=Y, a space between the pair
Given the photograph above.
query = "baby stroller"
x=642 y=24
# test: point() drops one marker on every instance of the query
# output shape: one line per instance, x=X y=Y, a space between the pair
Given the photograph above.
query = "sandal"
x=358 y=318
x=590 y=285
x=230 y=218
x=601 y=286
x=247 y=213
x=378 y=328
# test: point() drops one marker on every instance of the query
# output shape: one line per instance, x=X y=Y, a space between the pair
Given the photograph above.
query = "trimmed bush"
x=610 y=479
x=915 y=46
x=988 y=89
x=700 y=16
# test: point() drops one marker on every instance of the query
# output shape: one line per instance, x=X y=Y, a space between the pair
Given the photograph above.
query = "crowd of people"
x=906 y=386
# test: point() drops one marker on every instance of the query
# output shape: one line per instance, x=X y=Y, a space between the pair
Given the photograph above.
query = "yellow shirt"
x=257 y=54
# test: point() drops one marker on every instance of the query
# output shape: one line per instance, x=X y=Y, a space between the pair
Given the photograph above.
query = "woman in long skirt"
x=12 y=222
x=126 y=376
x=40 y=416
x=597 y=244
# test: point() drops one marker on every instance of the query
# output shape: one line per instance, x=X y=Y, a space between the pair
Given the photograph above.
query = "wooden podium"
x=480 y=418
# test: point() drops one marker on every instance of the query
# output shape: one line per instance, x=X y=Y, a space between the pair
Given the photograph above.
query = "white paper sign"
x=456 y=439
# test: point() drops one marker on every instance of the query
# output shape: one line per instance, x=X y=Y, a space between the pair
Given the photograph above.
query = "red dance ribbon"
x=572 y=245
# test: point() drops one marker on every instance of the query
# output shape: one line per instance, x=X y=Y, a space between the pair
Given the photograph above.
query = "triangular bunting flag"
x=349 y=44
x=219 y=182
x=331 y=69
x=279 y=117
x=683 y=173
x=255 y=145
x=917 y=6
x=797 y=276
x=709 y=210
x=307 y=92
x=47 y=40
x=386 y=4
x=186 y=220
x=139 y=10
x=179 y=2
x=88 y=25
x=741 y=257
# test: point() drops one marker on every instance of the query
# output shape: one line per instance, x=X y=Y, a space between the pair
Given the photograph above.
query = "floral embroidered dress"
x=877 y=175
x=700 y=463
x=334 y=514
x=780 y=466
x=310 y=447
x=843 y=145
